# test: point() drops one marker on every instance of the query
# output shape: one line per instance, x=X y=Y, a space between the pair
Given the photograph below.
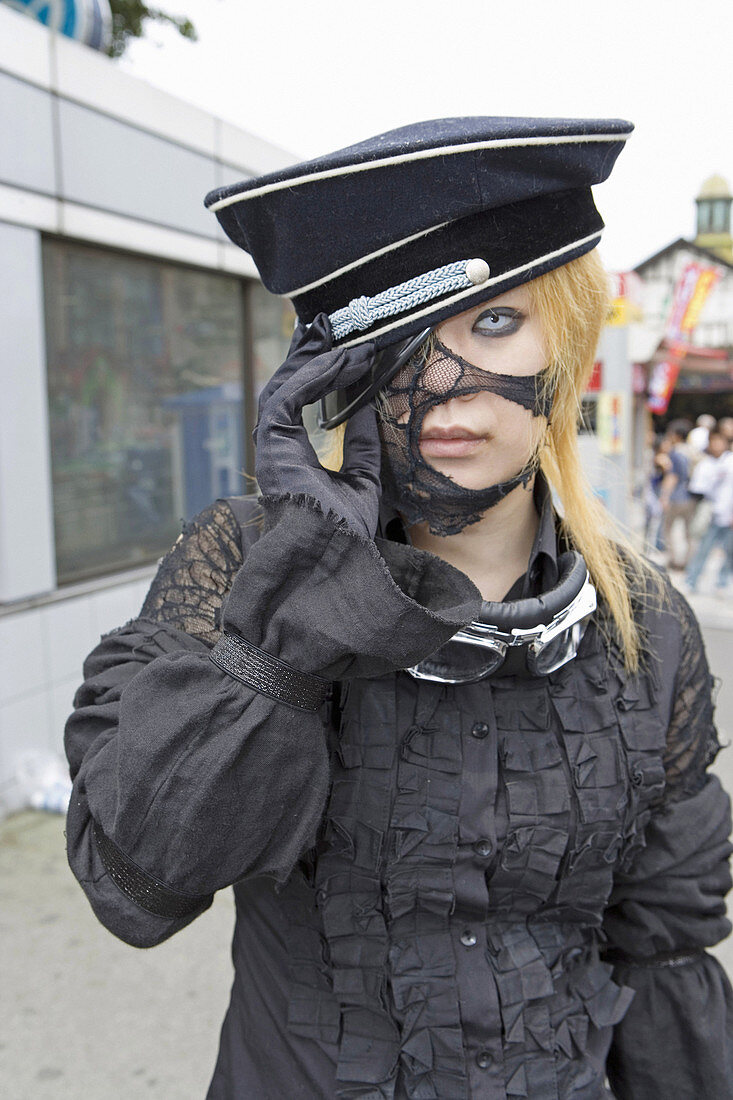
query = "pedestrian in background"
x=713 y=479
x=653 y=513
x=698 y=437
x=678 y=506
x=725 y=425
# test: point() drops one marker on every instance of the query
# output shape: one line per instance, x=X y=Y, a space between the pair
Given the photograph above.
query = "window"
x=720 y=216
x=703 y=216
x=272 y=320
x=145 y=390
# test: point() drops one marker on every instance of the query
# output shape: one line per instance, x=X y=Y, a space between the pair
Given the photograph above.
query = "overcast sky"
x=316 y=76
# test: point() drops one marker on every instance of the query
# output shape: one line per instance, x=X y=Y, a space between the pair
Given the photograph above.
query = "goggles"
x=482 y=648
x=337 y=407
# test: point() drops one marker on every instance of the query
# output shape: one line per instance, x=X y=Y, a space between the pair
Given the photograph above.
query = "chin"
x=475 y=479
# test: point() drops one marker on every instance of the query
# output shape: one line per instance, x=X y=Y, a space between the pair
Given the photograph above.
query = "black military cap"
x=393 y=235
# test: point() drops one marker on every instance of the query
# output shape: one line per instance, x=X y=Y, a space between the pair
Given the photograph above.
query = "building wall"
x=92 y=155
x=659 y=277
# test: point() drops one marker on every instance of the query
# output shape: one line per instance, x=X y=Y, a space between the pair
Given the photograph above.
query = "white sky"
x=316 y=76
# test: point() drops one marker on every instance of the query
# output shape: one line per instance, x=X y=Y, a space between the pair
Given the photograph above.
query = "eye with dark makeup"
x=502 y=321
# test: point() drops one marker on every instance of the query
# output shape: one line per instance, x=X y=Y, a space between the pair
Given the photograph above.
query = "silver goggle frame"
x=571 y=620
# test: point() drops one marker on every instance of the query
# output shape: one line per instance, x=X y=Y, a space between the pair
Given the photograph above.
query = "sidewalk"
x=712 y=609
x=84 y=1016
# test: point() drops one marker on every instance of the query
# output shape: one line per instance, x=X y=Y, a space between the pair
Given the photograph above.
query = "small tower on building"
x=713 y=218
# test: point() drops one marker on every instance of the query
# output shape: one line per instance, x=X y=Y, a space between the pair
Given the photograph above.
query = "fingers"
x=330 y=371
x=309 y=342
x=362 y=448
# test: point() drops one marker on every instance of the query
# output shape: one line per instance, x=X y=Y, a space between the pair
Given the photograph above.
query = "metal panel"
x=26 y=527
x=26 y=136
x=117 y=167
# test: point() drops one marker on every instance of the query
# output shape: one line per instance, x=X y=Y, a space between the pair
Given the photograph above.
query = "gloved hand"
x=316 y=594
x=286 y=463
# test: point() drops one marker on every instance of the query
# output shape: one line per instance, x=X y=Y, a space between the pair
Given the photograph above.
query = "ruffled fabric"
x=482 y=844
x=473 y=837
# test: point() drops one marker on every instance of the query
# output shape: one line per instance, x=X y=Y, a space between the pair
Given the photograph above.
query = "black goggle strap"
x=333 y=412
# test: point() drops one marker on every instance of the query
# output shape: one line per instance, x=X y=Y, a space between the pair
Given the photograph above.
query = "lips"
x=450 y=442
x=448 y=433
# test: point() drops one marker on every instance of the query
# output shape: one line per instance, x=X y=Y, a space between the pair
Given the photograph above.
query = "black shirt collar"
x=542 y=570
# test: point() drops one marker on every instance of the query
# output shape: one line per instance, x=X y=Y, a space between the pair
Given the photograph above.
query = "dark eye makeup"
x=502 y=321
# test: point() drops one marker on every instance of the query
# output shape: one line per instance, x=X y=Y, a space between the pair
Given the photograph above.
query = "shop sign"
x=662 y=383
x=595 y=382
x=611 y=422
x=626 y=305
x=690 y=294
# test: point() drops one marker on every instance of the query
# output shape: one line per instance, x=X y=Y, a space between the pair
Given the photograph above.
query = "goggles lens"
x=460 y=662
x=557 y=652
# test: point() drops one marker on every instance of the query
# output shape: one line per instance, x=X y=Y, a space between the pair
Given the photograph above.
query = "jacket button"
x=469 y=938
x=479 y=729
x=483 y=1059
x=483 y=848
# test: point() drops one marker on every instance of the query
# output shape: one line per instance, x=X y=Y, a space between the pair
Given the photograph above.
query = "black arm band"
x=655 y=962
x=152 y=896
x=267 y=675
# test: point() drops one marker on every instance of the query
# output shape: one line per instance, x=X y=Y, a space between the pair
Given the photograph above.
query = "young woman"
x=447 y=738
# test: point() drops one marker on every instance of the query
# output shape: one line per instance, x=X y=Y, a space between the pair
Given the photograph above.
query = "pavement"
x=85 y=1017
x=82 y=1015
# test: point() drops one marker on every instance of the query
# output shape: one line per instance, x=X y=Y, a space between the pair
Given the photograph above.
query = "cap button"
x=477 y=271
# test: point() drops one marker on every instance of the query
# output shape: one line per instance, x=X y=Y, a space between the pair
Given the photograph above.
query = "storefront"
x=134 y=340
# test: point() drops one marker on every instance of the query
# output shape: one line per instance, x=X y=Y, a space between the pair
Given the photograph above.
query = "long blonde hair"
x=572 y=303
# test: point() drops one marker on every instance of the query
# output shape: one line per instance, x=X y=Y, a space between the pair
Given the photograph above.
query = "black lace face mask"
x=418 y=491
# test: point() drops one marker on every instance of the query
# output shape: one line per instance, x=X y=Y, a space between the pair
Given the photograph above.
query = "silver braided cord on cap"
x=363 y=312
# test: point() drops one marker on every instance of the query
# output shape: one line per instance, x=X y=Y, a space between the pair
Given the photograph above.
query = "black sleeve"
x=676 y=1039
x=161 y=736
x=186 y=777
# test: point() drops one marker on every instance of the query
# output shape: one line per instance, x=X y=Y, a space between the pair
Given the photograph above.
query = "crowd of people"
x=689 y=499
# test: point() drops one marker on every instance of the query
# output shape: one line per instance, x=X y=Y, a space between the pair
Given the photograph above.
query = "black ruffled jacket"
x=498 y=866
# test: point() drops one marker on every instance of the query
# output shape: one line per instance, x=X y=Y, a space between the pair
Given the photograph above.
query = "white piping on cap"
x=472 y=290
x=404 y=158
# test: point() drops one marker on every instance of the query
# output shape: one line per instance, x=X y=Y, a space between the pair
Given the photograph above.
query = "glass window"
x=272 y=320
x=703 y=217
x=720 y=218
x=145 y=376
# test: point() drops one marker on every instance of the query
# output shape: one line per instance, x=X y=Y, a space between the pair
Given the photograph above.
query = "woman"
x=474 y=846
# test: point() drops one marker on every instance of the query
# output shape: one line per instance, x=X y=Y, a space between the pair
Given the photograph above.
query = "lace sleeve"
x=196 y=574
x=692 y=740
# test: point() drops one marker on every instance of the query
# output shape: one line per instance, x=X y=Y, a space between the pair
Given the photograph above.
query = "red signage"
x=693 y=287
x=595 y=382
x=662 y=383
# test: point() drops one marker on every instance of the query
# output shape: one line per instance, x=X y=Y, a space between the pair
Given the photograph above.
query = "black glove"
x=317 y=599
x=286 y=464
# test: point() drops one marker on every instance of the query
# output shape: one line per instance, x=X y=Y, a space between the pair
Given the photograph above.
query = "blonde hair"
x=572 y=303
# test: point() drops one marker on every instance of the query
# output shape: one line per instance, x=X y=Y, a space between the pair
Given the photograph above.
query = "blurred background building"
x=666 y=353
x=133 y=341
x=702 y=380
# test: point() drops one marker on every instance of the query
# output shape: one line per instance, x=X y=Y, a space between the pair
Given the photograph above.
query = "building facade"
x=705 y=381
x=133 y=341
